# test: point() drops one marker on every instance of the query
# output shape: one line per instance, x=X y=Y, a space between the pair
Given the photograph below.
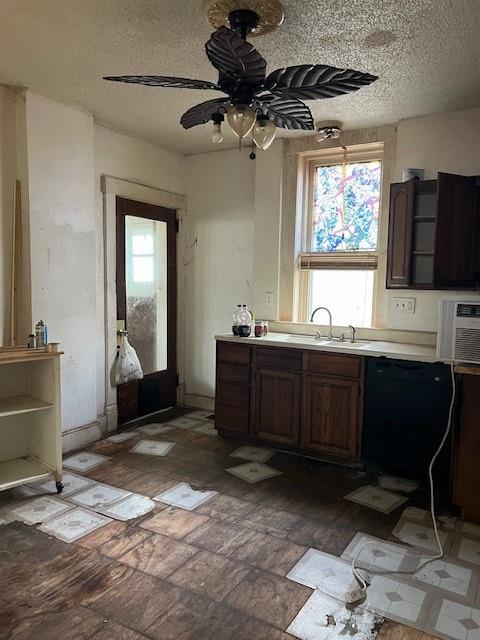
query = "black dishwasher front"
x=405 y=416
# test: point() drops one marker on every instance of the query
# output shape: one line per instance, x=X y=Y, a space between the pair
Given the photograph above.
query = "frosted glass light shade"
x=264 y=133
x=241 y=119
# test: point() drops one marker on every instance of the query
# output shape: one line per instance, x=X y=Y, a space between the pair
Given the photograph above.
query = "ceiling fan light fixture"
x=264 y=131
x=241 y=118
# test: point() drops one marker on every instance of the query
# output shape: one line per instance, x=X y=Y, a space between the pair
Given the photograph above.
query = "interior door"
x=147 y=304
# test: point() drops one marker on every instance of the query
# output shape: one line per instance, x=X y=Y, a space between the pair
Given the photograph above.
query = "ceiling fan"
x=255 y=102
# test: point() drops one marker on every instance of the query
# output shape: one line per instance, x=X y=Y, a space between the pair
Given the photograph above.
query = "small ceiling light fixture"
x=241 y=118
x=217 y=135
x=264 y=131
x=330 y=130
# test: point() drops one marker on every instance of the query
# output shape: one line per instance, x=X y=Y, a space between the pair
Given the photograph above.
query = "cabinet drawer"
x=236 y=395
x=227 y=372
x=279 y=359
x=231 y=418
x=232 y=352
x=333 y=364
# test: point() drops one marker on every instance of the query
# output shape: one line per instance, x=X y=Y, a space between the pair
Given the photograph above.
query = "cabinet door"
x=400 y=234
x=277 y=405
x=332 y=423
x=455 y=242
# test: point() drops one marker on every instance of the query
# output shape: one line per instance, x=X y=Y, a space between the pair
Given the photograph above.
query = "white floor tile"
x=457 y=621
x=331 y=575
x=128 y=508
x=208 y=428
x=184 y=423
x=254 y=454
x=74 y=524
x=446 y=575
x=152 y=447
x=470 y=529
x=414 y=513
x=154 y=429
x=84 y=461
x=311 y=621
x=71 y=484
x=418 y=535
x=98 y=496
x=395 y=599
x=469 y=551
x=376 y=498
x=39 y=509
x=444 y=522
x=199 y=415
x=393 y=483
x=184 y=497
x=122 y=437
x=378 y=555
x=253 y=471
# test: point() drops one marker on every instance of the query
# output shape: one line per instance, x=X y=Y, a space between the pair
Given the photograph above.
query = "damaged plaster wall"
x=122 y=156
x=8 y=167
x=63 y=240
x=218 y=257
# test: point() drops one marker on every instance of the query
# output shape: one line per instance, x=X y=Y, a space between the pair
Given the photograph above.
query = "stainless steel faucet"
x=352 y=334
x=317 y=333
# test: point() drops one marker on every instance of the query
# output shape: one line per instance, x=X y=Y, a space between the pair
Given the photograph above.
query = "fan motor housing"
x=243 y=21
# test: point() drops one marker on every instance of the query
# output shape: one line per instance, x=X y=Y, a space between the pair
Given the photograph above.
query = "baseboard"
x=111 y=417
x=81 y=436
x=199 y=402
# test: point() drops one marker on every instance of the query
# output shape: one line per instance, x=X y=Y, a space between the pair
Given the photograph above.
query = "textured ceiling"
x=425 y=52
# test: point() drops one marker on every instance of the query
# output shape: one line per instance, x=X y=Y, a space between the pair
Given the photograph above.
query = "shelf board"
x=22 y=471
x=423 y=253
x=13 y=405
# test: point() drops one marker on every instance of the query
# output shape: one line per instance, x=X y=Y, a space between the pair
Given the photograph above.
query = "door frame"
x=111 y=188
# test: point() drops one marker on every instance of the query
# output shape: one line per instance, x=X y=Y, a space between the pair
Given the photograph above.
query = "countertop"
x=396 y=350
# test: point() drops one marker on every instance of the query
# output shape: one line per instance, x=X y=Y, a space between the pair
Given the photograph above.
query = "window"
x=340 y=256
x=142 y=258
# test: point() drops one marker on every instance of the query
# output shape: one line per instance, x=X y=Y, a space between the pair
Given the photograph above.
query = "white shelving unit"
x=30 y=431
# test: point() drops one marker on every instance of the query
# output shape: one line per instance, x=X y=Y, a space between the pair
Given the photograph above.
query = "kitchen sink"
x=325 y=342
x=346 y=344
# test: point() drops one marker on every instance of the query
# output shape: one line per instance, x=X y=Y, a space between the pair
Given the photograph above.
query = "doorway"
x=146 y=281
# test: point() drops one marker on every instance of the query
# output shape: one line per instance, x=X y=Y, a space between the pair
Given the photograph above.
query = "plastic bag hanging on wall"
x=127 y=366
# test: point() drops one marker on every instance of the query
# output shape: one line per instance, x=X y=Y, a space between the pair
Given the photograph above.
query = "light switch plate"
x=404 y=305
x=269 y=298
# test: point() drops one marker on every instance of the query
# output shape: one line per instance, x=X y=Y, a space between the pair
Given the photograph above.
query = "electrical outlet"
x=269 y=298
x=404 y=305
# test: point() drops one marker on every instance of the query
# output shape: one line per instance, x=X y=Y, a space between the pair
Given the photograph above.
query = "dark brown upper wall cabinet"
x=433 y=235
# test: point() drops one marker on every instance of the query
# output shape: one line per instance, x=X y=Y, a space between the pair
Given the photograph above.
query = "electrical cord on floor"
x=356 y=595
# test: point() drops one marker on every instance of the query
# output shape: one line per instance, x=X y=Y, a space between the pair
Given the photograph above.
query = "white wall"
x=63 y=245
x=218 y=256
x=448 y=142
x=8 y=168
x=266 y=242
x=122 y=156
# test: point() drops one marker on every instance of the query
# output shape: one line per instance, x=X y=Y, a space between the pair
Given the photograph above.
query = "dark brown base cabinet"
x=308 y=401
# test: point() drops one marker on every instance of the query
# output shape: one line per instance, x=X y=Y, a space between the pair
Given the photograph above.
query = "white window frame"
x=328 y=157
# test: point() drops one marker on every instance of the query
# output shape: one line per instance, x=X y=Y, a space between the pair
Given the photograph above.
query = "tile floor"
x=244 y=564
